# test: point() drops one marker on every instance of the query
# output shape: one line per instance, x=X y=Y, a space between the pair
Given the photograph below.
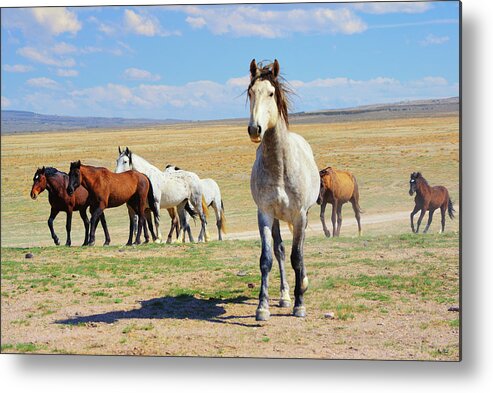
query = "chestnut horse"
x=338 y=187
x=56 y=182
x=429 y=199
x=107 y=189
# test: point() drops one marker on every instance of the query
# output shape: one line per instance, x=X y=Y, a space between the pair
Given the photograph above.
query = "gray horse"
x=284 y=183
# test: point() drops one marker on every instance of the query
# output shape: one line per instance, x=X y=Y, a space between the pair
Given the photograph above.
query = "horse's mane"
x=283 y=91
x=419 y=176
x=50 y=171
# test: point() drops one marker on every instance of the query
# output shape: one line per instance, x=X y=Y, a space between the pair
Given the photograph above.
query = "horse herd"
x=285 y=182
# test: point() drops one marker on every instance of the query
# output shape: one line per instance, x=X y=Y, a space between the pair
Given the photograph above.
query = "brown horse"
x=338 y=187
x=429 y=199
x=107 y=189
x=56 y=182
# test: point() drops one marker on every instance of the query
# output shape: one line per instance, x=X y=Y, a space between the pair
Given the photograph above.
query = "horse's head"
x=39 y=183
x=124 y=160
x=323 y=184
x=412 y=182
x=73 y=177
x=171 y=168
x=268 y=101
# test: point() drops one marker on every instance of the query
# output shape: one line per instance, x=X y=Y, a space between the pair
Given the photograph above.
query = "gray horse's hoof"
x=299 y=311
x=284 y=303
x=91 y=244
x=262 y=314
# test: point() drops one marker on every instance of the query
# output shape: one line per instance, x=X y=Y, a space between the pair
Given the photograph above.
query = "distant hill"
x=21 y=121
x=416 y=108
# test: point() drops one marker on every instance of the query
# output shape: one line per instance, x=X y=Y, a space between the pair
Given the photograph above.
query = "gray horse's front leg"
x=265 y=223
x=279 y=252
x=297 y=262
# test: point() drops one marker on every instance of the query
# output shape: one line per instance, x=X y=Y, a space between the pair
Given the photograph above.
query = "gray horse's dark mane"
x=282 y=89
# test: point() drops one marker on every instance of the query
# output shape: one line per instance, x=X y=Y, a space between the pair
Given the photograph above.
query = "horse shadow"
x=170 y=307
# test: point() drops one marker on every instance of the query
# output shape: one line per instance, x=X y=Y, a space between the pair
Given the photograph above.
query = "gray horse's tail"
x=190 y=210
x=451 y=209
x=223 y=218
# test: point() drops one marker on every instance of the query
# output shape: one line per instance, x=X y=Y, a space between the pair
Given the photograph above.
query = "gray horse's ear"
x=253 y=69
x=119 y=150
x=275 y=68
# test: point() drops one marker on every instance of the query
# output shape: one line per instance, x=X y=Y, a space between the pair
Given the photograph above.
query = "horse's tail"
x=356 y=194
x=223 y=218
x=451 y=209
x=204 y=206
x=190 y=210
x=151 y=200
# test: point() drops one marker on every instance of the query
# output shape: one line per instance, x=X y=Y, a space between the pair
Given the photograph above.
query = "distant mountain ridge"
x=22 y=121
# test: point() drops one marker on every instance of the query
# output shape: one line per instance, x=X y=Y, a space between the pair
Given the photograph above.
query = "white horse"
x=212 y=196
x=284 y=183
x=170 y=189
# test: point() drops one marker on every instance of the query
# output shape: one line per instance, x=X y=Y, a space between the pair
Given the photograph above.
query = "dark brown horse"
x=429 y=199
x=107 y=189
x=338 y=187
x=56 y=183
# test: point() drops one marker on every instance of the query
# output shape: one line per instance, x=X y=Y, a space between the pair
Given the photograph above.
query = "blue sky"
x=191 y=62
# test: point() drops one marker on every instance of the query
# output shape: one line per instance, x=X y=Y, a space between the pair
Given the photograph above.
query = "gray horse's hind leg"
x=203 y=221
x=297 y=262
x=265 y=224
x=217 y=211
x=279 y=252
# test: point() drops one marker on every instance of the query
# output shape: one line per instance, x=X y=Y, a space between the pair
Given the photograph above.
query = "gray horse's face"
x=123 y=163
x=263 y=109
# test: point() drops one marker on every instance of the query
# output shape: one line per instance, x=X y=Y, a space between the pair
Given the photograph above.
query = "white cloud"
x=17 y=68
x=63 y=48
x=242 y=81
x=67 y=73
x=244 y=21
x=346 y=92
x=432 y=39
x=393 y=7
x=211 y=100
x=110 y=94
x=144 y=24
x=57 y=20
x=138 y=74
x=44 y=56
x=43 y=82
x=5 y=102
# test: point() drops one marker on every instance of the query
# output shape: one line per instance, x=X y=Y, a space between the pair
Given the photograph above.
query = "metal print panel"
x=238 y=180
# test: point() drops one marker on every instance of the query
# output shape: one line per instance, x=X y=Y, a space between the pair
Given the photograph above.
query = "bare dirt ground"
x=389 y=291
x=389 y=297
